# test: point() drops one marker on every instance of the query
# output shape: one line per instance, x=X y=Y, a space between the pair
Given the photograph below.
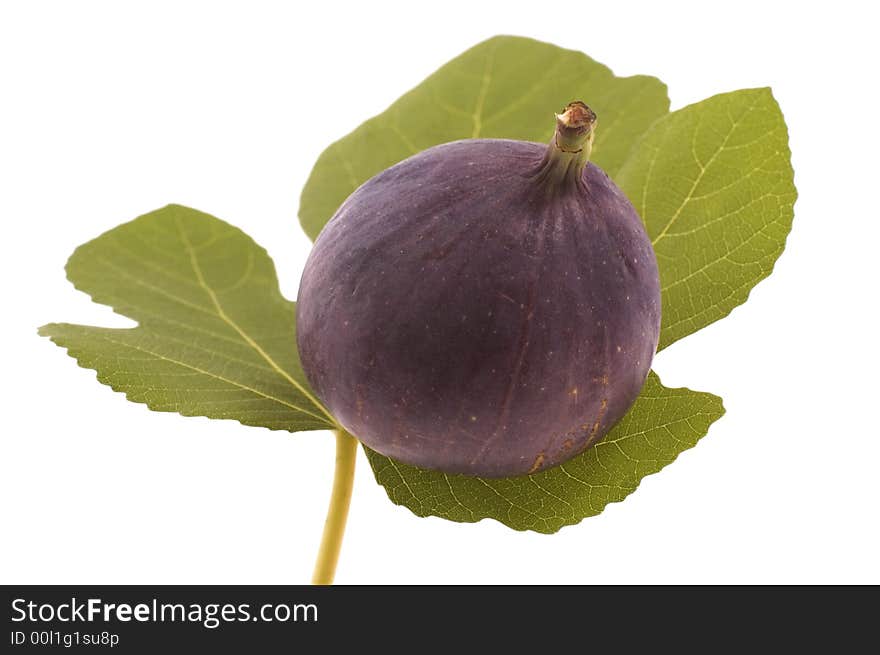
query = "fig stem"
x=337 y=512
x=570 y=148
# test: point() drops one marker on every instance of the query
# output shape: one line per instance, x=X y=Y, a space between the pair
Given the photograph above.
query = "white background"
x=113 y=109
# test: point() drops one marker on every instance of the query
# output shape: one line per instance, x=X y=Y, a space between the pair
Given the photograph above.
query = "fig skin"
x=484 y=307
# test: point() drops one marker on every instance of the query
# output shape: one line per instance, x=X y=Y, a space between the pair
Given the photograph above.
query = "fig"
x=487 y=307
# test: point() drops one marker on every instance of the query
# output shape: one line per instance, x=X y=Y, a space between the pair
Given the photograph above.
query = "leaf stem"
x=337 y=513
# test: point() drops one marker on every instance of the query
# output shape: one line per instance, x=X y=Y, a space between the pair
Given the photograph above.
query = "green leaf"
x=215 y=337
x=662 y=423
x=506 y=87
x=714 y=184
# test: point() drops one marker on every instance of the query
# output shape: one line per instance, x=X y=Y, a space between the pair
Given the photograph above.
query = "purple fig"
x=487 y=307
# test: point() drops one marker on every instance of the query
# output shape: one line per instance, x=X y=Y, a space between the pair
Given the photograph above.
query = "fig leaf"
x=713 y=182
x=504 y=87
x=662 y=423
x=714 y=185
x=215 y=336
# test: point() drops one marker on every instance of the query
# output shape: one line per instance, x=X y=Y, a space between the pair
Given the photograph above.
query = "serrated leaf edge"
x=708 y=398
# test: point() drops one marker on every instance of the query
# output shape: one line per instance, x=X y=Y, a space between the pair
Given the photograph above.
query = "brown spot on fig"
x=602 y=407
x=538 y=461
x=359 y=402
